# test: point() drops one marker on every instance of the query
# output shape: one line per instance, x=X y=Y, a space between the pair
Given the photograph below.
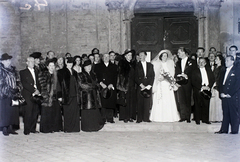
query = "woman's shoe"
x=5 y=131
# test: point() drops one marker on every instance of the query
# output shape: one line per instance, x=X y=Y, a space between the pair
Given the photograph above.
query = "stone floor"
x=120 y=142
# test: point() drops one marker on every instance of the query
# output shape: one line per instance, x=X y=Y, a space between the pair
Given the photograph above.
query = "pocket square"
x=232 y=74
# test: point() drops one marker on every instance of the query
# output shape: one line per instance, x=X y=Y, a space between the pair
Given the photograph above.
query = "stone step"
x=161 y=127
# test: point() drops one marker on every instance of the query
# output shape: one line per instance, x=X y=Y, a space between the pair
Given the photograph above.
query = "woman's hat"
x=70 y=59
x=129 y=51
x=165 y=51
x=5 y=56
x=36 y=55
x=86 y=63
x=106 y=93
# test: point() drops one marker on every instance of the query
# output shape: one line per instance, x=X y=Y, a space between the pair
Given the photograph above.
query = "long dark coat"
x=107 y=75
x=64 y=76
x=89 y=94
x=126 y=84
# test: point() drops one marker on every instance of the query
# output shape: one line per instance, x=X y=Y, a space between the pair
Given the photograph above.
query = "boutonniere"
x=189 y=63
x=232 y=74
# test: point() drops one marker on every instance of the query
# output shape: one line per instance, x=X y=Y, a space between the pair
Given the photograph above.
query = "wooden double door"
x=155 y=33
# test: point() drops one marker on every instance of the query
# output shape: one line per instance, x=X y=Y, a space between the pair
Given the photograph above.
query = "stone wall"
x=71 y=26
x=10 y=32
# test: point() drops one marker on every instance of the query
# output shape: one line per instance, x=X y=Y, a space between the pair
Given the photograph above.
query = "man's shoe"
x=26 y=133
x=233 y=132
x=34 y=131
x=138 y=122
x=188 y=121
x=130 y=120
x=148 y=121
x=181 y=120
x=112 y=122
x=14 y=133
x=197 y=122
x=11 y=131
x=206 y=122
x=125 y=120
x=220 y=132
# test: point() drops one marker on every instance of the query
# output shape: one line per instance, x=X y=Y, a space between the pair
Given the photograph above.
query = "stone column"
x=213 y=18
x=115 y=20
x=201 y=19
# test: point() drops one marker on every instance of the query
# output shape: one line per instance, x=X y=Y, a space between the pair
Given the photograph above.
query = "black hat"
x=129 y=51
x=86 y=63
x=206 y=94
x=5 y=56
x=106 y=93
x=146 y=93
x=36 y=55
x=54 y=60
x=181 y=80
x=70 y=59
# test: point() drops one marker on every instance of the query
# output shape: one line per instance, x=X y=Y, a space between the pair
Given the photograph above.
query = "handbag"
x=121 y=100
x=18 y=100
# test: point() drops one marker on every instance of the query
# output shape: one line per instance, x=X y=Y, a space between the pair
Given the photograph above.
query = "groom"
x=144 y=77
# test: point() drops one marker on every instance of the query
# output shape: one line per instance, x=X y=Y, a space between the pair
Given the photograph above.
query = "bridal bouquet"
x=170 y=79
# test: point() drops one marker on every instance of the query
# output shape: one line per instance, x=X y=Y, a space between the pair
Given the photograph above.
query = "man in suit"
x=107 y=77
x=229 y=92
x=202 y=80
x=211 y=58
x=200 y=53
x=184 y=67
x=144 y=77
x=112 y=56
x=233 y=52
x=29 y=80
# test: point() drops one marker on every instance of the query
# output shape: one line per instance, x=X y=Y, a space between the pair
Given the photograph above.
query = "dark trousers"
x=31 y=112
x=143 y=108
x=201 y=108
x=230 y=116
x=185 y=111
x=107 y=114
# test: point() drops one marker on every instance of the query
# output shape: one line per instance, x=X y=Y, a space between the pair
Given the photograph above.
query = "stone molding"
x=114 y=4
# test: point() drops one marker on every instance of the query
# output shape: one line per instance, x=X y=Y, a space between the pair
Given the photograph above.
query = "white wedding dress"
x=164 y=107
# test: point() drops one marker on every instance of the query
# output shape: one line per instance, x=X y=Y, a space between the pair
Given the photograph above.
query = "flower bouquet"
x=170 y=79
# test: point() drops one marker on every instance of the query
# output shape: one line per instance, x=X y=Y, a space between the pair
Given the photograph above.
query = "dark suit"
x=231 y=106
x=143 y=104
x=184 y=92
x=201 y=104
x=107 y=75
x=31 y=110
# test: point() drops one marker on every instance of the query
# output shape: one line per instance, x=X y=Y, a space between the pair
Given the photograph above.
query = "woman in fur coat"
x=51 y=118
x=126 y=88
x=91 y=119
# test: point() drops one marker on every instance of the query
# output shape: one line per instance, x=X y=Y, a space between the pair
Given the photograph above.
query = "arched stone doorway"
x=165 y=24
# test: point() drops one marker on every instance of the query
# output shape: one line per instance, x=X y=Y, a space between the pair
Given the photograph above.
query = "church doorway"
x=164 y=25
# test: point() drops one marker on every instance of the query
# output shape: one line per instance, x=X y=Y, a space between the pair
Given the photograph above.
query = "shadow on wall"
x=225 y=41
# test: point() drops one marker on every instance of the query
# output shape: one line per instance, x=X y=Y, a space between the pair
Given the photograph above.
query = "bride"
x=164 y=107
